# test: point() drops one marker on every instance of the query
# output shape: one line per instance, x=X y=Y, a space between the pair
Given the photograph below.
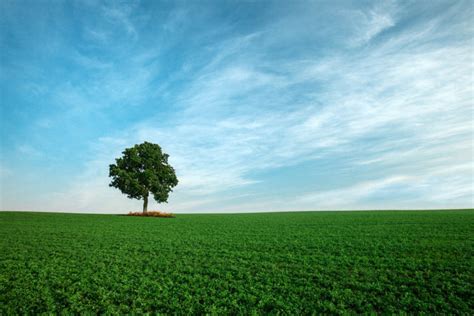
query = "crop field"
x=275 y=263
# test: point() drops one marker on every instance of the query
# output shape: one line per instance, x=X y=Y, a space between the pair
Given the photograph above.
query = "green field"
x=288 y=263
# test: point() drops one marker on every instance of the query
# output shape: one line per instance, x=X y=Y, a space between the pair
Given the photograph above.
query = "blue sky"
x=262 y=106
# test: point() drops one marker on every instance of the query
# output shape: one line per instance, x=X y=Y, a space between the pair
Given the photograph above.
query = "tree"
x=143 y=169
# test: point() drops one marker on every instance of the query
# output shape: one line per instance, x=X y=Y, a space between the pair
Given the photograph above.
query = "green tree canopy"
x=143 y=169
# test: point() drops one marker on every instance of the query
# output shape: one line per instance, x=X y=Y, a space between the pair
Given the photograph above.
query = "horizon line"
x=256 y=212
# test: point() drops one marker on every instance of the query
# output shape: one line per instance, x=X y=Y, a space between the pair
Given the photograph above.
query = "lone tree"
x=143 y=169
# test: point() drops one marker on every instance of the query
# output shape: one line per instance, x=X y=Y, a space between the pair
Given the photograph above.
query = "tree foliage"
x=143 y=169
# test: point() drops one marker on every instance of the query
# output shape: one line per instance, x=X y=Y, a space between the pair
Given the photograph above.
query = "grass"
x=292 y=263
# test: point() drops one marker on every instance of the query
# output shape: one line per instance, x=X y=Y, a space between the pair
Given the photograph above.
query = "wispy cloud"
x=28 y=151
x=389 y=102
x=368 y=24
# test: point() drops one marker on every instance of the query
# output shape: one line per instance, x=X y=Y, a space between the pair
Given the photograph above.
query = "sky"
x=261 y=105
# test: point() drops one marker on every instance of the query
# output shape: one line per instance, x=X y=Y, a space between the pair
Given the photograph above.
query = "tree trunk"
x=145 y=203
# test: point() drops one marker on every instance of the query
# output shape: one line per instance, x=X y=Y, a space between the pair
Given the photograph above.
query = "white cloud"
x=351 y=196
x=119 y=14
x=28 y=151
x=371 y=23
x=241 y=113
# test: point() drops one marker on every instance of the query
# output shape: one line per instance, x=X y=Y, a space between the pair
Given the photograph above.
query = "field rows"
x=294 y=263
